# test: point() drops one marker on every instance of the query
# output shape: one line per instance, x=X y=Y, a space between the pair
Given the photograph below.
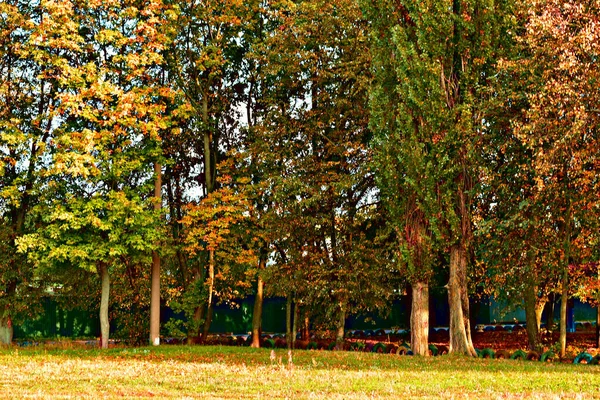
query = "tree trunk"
x=533 y=334
x=104 y=323
x=155 y=275
x=564 y=298
x=288 y=322
x=550 y=311
x=341 y=324
x=207 y=321
x=194 y=335
x=207 y=139
x=295 y=323
x=211 y=286
x=539 y=309
x=598 y=327
x=419 y=319
x=305 y=328
x=6 y=328
x=257 y=314
x=460 y=333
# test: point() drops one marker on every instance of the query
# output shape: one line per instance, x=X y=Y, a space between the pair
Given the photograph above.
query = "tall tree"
x=205 y=61
x=28 y=88
x=428 y=115
x=310 y=152
x=560 y=125
x=107 y=140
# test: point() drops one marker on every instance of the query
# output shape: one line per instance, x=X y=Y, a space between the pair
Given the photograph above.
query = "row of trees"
x=329 y=152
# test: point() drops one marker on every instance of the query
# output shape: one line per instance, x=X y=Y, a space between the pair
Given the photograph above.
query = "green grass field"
x=242 y=373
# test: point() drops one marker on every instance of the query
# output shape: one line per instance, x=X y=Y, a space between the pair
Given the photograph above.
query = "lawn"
x=241 y=372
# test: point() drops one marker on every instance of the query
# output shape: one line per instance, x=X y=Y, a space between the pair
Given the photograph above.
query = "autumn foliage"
x=333 y=152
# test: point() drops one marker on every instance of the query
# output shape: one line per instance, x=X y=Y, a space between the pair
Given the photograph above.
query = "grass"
x=243 y=373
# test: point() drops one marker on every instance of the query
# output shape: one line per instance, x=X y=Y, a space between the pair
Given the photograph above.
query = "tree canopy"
x=336 y=153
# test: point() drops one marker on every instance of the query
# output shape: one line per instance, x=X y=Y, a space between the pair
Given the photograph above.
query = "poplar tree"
x=431 y=60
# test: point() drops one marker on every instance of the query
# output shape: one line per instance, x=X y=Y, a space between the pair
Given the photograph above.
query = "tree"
x=427 y=114
x=97 y=210
x=205 y=62
x=28 y=91
x=560 y=126
x=310 y=160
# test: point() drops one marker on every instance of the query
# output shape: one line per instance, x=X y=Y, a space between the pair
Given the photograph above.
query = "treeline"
x=335 y=153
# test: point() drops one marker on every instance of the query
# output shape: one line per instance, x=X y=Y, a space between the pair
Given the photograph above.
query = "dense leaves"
x=334 y=151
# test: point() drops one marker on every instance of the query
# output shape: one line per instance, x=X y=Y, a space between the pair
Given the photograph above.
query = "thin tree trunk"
x=533 y=334
x=565 y=280
x=104 y=323
x=598 y=326
x=258 y=304
x=208 y=175
x=155 y=275
x=419 y=319
x=288 y=322
x=460 y=335
x=550 y=315
x=211 y=287
x=295 y=323
x=564 y=298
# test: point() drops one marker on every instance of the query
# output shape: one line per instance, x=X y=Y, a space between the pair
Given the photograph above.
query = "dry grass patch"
x=238 y=373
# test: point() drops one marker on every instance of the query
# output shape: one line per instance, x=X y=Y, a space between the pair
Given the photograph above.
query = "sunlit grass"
x=232 y=372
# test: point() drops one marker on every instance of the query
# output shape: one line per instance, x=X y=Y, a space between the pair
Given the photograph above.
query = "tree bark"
x=6 y=328
x=460 y=333
x=104 y=323
x=565 y=280
x=258 y=303
x=295 y=323
x=539 y=309
x=598 y=326
x=288 y=322
x=341 y=324
x=155 y=275
x=419 y=319
x=550 y=312
x=305 y=328
x=211 y=286
x=564 y=298
x=207 y=141
x=533 y=334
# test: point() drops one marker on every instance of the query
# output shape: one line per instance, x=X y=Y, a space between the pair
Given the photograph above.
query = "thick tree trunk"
x=460 y=333
x=207 y=321
x=288 y=322
x=533 y=334
x=306 y=328
x=257 y=313
x=104 y=323
x=341 y=324
x=419 y=319
x=155 y=275
x=539 y=309
x=194 y=335
x=6 y=328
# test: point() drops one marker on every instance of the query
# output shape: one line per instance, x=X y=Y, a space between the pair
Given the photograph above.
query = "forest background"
x=335 y=153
